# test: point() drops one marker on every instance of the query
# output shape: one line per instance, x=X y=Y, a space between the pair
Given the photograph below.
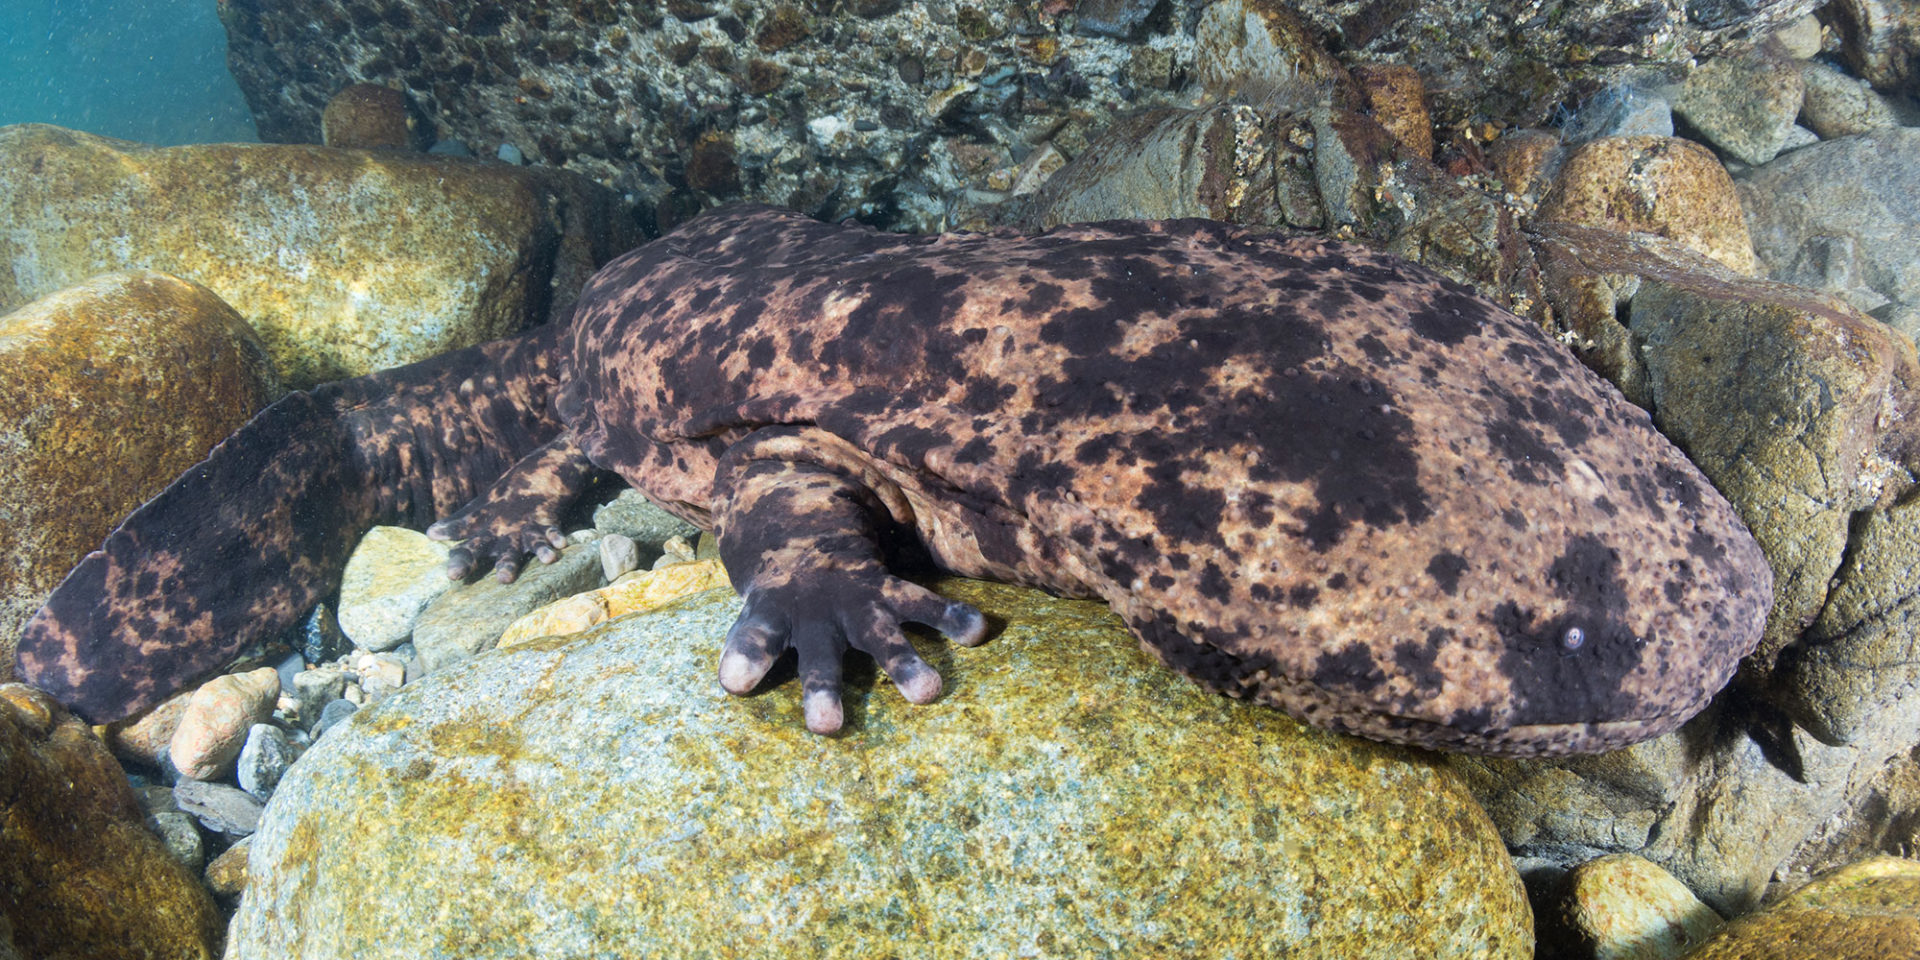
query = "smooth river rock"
x=344 y=261
x=599 y=794
x=108 y=390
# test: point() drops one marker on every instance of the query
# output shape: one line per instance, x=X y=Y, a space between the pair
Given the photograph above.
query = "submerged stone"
x=601 y=792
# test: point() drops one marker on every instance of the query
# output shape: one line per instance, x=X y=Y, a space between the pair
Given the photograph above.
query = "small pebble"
x=380 y=675
x=264 y=759
x=289 y=668
x=316 y=688
x=227 y=874
x=510 y=154
x=214 y=726
x=618 y=555
x=177 y=831
x=321 y=639
x=218 y=807
x=675 y=550
x=334 y=713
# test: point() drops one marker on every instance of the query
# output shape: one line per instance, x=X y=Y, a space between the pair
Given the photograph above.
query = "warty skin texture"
x=1306 y=474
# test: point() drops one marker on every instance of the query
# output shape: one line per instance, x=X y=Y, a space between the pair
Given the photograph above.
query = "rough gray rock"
x=1744 y=105
x=264 y=759
x=218 y=807
x=470 y=618
x=1839 y=106
x=894 y=111
x=1844 y=216
x=632 y=515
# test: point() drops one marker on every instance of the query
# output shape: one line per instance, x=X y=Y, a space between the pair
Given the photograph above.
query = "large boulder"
x=344 y=261
x=599 y=792
x=108 y=390
x=81 y=875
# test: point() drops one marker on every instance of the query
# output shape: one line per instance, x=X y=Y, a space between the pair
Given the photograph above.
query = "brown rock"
x=145 y=739
x=83 y=875
x=1397 y=99
x=214 y=726
x=1660 y=185
x=1867 y=911
x=367 y=116
x=344 y=261
x=1626 y=908
x=108 y=390
x=227 y=874
x=1879 y=39
x=1524 y=161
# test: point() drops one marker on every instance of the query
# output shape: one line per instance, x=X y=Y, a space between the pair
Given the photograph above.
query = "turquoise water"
x=151 y=70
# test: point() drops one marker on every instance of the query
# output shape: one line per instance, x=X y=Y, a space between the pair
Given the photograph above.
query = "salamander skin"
x=1305 y=474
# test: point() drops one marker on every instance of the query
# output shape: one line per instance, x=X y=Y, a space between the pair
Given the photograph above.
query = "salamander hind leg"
x=519 y=514
x=799 y=517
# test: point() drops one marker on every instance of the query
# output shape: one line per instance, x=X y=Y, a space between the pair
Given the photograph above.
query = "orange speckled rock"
x=215 y=724
x=1398 y=99
x=1660 y=185
x=80 y=873
x=1630 y=909
x=108 y=390
x=344 y=261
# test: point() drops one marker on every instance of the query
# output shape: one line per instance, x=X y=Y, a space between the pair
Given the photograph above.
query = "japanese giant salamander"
x=1306 y=474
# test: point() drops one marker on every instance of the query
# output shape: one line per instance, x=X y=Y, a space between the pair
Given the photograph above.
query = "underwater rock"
x=1064 y=790
x=633 y=516
x=1842 y=216
x=367 y=116
x=1397 y=100
x=107 y=391
x=1660 y=185
x=1880 y=41
x=343 y=261
x=1840 y=106
x=470 y=617
x=84 y=875
x=1744 y=105
x=390 y=577
x=1625 y=908
x=213 y=730
x=1867 y=911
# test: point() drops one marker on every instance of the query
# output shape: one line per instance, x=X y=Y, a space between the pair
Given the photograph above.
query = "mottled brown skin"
x=1306 y=474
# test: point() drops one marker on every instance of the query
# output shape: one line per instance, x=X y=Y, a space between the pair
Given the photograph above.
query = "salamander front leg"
x=800 y=541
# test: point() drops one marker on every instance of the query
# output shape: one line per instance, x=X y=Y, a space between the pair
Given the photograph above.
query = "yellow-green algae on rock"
x=600 y=795
x=344 y=261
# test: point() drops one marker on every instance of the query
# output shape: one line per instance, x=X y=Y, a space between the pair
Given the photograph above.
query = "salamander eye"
x=1573 y=638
